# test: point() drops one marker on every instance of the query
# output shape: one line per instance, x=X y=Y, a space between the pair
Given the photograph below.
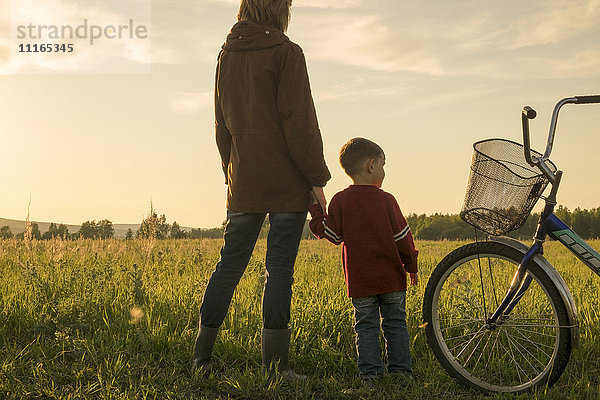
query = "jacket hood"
x=246 y=35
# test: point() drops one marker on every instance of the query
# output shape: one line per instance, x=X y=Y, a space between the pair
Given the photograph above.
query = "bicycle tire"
x=530 y=348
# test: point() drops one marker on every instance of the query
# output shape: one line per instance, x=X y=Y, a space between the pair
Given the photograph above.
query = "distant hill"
x=17 y=227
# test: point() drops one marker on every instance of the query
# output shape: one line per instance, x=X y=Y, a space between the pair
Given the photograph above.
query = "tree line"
x=89 y=230
x=451 y=227
x=152 y=226
x=424 y=227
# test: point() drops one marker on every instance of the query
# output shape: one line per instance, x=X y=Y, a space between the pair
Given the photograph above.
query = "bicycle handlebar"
x=529 y=113
x=587 y=99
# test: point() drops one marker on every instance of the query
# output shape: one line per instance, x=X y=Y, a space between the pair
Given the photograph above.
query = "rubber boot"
x=205 y=341
x=275 y=353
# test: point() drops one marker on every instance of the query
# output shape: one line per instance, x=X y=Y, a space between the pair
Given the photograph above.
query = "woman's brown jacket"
x=266 y=125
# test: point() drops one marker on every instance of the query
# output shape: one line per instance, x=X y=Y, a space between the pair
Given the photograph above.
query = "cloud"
x=161 y=54
x=580 y=64
x=364 y=41
x=190 y=102
x=355 y=89
x=550 y=39
x=189 y=32
x=179 y=38
x=491 y=28
x=443 y=97
x=556 y=22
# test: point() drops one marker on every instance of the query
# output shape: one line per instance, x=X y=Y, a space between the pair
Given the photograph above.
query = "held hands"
x=414 y=278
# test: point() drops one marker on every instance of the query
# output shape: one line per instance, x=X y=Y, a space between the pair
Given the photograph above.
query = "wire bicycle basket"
x=503 y=188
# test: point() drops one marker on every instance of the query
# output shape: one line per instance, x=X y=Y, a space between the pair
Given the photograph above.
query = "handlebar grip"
x=587 y=99
x=529 y=112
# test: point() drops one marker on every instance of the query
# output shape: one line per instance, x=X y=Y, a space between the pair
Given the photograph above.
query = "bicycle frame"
x=549 y=224
x=559 y=231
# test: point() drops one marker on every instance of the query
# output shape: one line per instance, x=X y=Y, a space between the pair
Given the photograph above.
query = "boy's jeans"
x=367 y=310
x=240 y=236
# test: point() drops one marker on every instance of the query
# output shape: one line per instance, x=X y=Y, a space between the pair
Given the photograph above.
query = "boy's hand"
x=320 y=196
x=414 y=278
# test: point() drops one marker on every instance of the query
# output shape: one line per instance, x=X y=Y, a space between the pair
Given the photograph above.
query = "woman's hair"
x=355 y=152
x=266 y=12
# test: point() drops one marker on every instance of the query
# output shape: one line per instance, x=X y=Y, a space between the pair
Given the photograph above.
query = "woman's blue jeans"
x=389 y=309
x=241 y=233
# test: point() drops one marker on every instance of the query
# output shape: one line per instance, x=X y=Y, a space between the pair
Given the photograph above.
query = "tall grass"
x=117 y=319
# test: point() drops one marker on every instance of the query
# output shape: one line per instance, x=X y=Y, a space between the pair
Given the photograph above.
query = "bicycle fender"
x=556 y=279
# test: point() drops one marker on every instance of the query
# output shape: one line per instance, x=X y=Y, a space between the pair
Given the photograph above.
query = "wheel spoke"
x=459 y=325
x=482 y=287
x=492 y=279
x=512 y=356
x=492 y=352
x=504 y=354
x=518 y=365
x=470 y=341
x=522 y=328
x=532 y=356
x=469 y=337
x=459 y=318
x=475 y=348
x=548 y=317
x=483 y=351
x=464 y=335
x=527 y=356
x=470 y=302
x=537 y=345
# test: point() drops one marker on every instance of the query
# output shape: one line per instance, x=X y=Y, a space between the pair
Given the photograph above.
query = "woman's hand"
x=319 y=195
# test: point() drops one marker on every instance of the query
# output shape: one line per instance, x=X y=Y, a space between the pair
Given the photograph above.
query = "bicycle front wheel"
x=529 y=347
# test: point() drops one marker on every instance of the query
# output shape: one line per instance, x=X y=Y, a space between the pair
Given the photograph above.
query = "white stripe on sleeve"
x=402 y=234
x=332 y=235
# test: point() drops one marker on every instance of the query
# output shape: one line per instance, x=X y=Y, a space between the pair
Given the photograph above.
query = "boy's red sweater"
x=377 y=245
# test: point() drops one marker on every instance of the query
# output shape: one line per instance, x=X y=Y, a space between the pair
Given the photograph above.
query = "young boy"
x=377 y=251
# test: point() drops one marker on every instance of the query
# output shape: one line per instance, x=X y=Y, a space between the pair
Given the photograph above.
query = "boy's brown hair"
x=266 y=12
x=355 y=152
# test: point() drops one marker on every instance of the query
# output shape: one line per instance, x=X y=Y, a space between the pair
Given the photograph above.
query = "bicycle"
x=523 y=340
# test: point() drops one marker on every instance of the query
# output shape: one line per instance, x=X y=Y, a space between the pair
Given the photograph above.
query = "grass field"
x=117 y=320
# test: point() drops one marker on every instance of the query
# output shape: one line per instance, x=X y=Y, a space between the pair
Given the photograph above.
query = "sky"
x=100 y=133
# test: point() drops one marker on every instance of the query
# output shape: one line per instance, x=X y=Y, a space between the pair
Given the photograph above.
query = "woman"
x=272 y=157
